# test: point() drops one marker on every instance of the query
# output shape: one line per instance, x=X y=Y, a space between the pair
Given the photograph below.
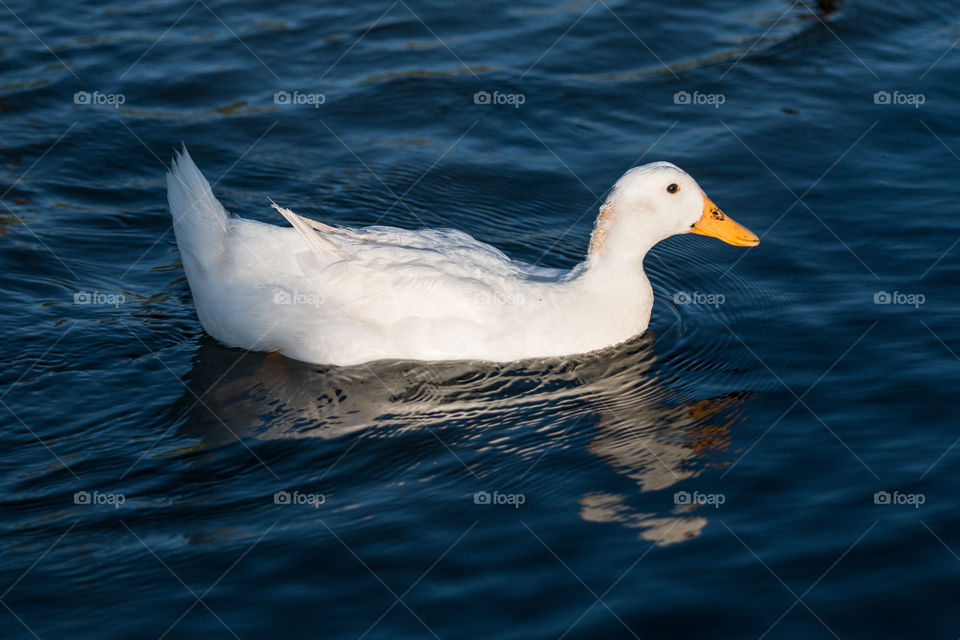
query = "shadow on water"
x=612 y=405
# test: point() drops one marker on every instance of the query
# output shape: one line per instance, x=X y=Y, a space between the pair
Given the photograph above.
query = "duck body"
x=340 y=296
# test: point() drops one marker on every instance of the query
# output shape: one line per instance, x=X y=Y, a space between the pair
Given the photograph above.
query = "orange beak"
x=716 y=224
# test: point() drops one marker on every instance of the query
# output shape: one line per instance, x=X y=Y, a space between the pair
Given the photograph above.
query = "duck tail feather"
x=199 y=220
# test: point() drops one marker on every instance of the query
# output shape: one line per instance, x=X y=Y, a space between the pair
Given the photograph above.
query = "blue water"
x=717 y=477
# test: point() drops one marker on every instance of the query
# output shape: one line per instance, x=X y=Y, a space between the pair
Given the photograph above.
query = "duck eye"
x=673 y=187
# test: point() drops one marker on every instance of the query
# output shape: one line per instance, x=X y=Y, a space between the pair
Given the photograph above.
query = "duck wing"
x=385 y=274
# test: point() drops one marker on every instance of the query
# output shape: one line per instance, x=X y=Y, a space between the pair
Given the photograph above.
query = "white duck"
x=334 y=295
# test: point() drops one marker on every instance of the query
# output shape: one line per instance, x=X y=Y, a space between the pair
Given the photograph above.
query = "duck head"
x=653 y=202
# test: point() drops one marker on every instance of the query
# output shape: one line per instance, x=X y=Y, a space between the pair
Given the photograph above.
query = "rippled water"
x=716 y=477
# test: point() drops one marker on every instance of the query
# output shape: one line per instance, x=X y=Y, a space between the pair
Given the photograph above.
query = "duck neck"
x=617 y=296
x=611 y=269
x=617 y=251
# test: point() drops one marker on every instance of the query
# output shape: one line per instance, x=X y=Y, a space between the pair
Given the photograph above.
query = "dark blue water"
x=715 y=478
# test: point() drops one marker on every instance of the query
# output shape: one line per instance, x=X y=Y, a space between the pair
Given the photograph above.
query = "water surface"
x=717 y=477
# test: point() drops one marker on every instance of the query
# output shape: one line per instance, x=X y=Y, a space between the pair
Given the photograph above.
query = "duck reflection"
x=643 y=429
x=658 y=447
